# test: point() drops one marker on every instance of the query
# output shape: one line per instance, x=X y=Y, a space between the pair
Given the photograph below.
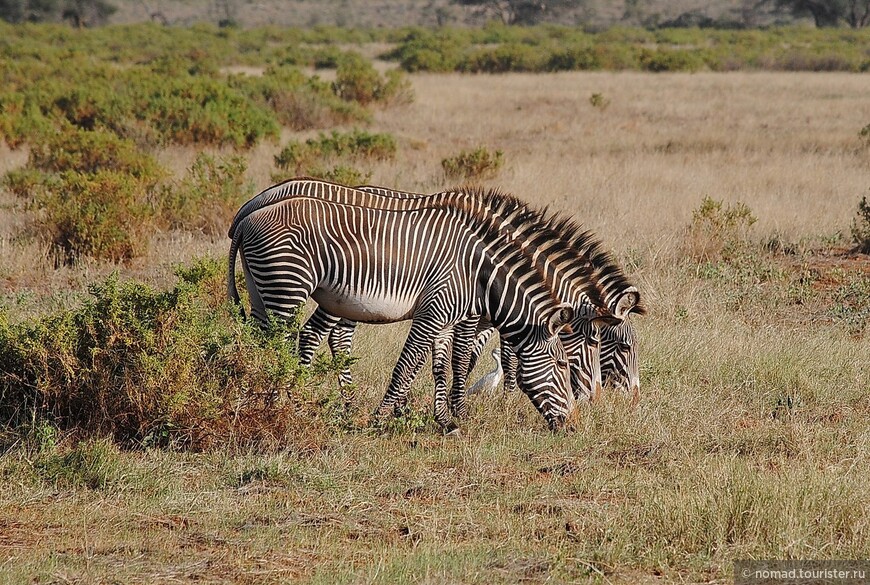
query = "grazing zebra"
x=436 y=265
x=619 y=365
x=583 y=352
x=582 y=344
x=585 y=373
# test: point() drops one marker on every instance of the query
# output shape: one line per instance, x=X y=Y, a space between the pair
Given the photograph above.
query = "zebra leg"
x=318 y=325
x=509 y=364
x=484 y=333
x=420 y=338
x=440 y=360
x=340 y=342
x=463 y=339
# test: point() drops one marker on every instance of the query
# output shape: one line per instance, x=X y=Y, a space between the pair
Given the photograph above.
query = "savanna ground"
x=750 y=439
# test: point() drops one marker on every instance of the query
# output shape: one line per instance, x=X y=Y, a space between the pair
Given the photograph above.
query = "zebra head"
x=543 y=373
x=619 y=366
x=582 y=344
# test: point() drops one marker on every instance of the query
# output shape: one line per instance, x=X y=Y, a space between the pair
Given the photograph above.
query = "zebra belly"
x=366 y=308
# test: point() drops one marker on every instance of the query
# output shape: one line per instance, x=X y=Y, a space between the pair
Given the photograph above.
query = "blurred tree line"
x=824 y=13
x=77 y=13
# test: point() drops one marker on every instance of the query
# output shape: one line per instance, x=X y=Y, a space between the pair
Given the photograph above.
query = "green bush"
x=861 y=226
x=438 y=51
x=505 y=58
x=208 y=197
x=196 y=110
x=718 y=230
x=102 y=215
x=317 y=153
x=357 y=80
x=299 y=102
x=83 y=151
x=671 y=60
x=91 y=192
x=148 y=367
x=597 y=100
x=473 y=164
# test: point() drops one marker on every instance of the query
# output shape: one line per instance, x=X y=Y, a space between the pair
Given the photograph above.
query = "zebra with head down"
x=582 y=343
x=437 y=265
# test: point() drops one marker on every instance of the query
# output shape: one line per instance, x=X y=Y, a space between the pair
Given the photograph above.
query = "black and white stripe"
x=434 y=265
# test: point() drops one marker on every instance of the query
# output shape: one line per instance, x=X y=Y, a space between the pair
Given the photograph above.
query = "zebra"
x=341 y=331
x=585 y=373
x=582 y=343
x=619 y=365
x=436 y=265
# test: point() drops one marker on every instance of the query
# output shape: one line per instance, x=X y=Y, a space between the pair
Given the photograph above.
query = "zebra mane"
x=500 y=207
x=488 y=221
x=547 y=226
x=583 y=242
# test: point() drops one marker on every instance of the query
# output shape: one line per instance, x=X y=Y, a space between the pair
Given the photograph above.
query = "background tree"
x=77 y=12
x=855 y=13
x=519 y=11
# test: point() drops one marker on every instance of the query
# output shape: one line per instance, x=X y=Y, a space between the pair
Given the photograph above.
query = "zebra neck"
x=510 y=293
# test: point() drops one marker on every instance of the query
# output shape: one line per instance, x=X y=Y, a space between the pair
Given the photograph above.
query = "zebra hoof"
x=451 y=429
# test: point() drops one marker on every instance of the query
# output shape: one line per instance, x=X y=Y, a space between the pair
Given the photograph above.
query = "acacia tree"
x=519 y=11
x=855 y=13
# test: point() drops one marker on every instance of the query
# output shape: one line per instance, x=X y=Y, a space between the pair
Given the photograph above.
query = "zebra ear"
x=605 y=320
x=562 y=315
x=628 y=300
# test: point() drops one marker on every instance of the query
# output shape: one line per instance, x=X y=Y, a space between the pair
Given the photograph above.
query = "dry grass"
x=750 y=441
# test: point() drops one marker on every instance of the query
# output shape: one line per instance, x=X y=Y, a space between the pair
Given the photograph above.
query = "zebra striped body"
x=586 y=377
x=434 y=265
x=568 y=258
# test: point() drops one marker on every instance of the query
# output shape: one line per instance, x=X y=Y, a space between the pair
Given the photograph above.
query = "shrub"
x=670 y=60
x=718 y=230
x=196 y=110
x=91 y=190
x=88 y=152
x=597 y=100
x=438 y=51
x=574 y=59
x=474 y=164
x=357 y=80
x=505 y=58
x=148 y=367
x=208 y=197
x=102 y=215
x=317 y=153
x=861 y=227
x=298 y=102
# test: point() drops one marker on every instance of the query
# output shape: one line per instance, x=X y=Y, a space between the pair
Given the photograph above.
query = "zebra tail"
x=232 y=289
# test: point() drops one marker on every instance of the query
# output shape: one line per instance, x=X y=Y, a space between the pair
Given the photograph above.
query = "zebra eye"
x=562 y=363
x=623 y=347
